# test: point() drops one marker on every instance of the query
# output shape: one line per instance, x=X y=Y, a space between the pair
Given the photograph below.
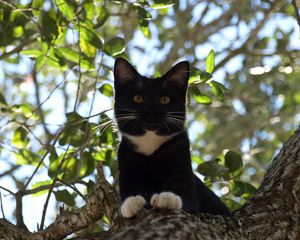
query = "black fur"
x=168 y=169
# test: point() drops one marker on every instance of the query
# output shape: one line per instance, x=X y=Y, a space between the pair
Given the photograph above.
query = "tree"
x=244 y=99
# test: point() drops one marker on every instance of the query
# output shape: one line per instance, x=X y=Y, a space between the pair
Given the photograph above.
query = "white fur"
x=149 y=142
x=166 y=200
x=132 y=205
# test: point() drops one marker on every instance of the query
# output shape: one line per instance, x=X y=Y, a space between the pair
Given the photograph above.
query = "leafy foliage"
x=56 y=87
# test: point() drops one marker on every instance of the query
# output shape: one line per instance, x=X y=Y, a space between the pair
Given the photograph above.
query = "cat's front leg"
x=132 y=205
x=167 y=200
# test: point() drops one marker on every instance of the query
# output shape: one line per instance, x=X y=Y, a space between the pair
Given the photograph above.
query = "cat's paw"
x=132 y=205
x=166 y=200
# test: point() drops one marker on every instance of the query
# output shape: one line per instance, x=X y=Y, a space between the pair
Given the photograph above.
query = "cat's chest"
x=147 y=143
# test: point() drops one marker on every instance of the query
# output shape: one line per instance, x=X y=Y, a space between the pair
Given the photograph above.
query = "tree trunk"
x=272 y=213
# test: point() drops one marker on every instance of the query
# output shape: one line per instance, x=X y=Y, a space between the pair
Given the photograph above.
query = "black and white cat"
x=154 y=153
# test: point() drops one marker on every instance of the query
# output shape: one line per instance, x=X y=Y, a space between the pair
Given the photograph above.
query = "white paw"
x=132 y=205
x=166 y=200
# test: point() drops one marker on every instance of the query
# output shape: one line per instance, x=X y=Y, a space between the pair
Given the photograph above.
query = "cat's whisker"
x=126 y=118
x=104 y=126
x=122 y=123
x=167 y=126
x=176 y=112
x=175 y=116
x=176 y=122
x=176 y=119
x=125 y=109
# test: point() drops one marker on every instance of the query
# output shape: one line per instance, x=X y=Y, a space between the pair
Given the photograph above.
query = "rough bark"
x=272 y=213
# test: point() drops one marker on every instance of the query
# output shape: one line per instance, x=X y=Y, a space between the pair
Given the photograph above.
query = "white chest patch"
x=147 y=143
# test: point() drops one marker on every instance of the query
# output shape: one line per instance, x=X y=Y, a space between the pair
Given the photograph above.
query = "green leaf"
x=212 y=169
x=69 y=54
x=68 y=163
x=27 y=109
x=88 y=164
x=76 y=130
x=223 y=88
x=210 y=62
x=34 y=53
x=74 y=57
x=37 y=4
x=231 y=204
x=2 y=99
x=65 y=197
x=49 y=26
x=55 y=59
x=233 y=161
x=102 y=16
x=194 y=75
x=66 y=8
x=202 y=99
x=89 y=9
x=87 y=48
x=90 y=36
x=20 y=138
x=143 y=13
x=217 y=90
x=74 y=117
x=114 y=46
x=106 y=89
x=161 y=4
x=205 y=76
x=144 y=26
x=242 y=189
x=40 y=184
x=18 y=31
x=39 y=62
x=24 y=156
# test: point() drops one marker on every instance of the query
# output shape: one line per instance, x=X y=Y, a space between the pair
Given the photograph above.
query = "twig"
x=79 y=68
x=51 y=188
x=43 y=158
x=73 y=187
x=50 y=94
x=95 y=85
x=296 y=11
x=17 y=49
x=252 y=35
x=19 y=211
x=39 y=107
x=13 y=168
x=1 y=203
x=7 y=190
x=103 y=200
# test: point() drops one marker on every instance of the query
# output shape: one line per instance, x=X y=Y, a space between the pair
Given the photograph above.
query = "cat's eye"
x=137 y=98
x=164 y=100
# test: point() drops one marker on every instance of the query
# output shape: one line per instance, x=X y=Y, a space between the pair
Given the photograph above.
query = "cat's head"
x=155 y=104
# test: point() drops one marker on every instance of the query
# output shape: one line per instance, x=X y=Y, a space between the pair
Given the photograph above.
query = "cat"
x=154 y=153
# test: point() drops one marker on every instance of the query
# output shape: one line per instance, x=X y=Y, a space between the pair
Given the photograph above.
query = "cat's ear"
x=124 y=71
x=178 y=74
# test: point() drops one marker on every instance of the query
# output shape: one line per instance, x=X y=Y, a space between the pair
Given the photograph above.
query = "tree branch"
x=296 y=12
x=102 y=201
x=275 y=5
